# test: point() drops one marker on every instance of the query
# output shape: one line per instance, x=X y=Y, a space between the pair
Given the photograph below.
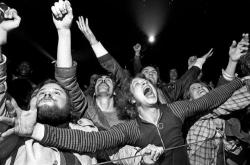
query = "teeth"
x=148 y=91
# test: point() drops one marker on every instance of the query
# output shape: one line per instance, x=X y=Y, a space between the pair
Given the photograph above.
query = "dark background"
x=188 y=27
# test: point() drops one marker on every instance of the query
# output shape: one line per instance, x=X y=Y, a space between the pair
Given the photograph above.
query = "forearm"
x=112 y=66
x=230 y=70
x=64 y=57
x=213 y=99
x=80 y=141
x=184 y=82
x=3 y=85
x=137 y=64
x=67 y=78
x=239 y=100
x=99 y=49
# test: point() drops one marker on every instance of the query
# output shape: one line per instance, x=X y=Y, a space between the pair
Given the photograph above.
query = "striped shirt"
x=130 y=132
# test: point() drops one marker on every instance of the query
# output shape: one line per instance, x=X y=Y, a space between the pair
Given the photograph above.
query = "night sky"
x=183 y=27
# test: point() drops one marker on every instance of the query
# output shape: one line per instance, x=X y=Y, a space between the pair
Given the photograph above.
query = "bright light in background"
x=150 y=16
x=151 y=39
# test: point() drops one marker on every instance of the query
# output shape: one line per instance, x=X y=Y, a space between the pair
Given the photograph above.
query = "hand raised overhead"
x=62 y=14
x=83 y=25
x=237 y=50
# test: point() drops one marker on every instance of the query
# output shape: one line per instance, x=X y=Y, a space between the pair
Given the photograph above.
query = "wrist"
x=232 y=61
x=38 y=132
x=93 y=42
x=65 y=31
x=137 y=54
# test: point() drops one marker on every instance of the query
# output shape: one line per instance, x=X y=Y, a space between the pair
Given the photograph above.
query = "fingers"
x=10 y=108
x=61 y=8
x=7 y=133
x=7 y=120
x=234 y=44
x=154 y=151
x=33 y=103
x=68 y=6
x=210 y=53
x=84 y=25
x=81 y=24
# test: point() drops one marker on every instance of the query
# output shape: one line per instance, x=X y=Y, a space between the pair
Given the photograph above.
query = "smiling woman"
x=160 y=125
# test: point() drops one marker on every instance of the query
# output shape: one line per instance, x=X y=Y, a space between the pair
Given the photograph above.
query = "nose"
x=144 y=82
x=103 y=80
x=47 y=94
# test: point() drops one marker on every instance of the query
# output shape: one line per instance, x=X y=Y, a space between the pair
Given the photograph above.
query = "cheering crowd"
x=123 y=117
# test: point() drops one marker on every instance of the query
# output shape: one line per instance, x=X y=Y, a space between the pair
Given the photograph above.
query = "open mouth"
x=148 y=91
x=202 y=92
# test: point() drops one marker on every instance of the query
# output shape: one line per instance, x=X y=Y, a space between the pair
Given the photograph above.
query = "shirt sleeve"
x=67 y=78
x=3 y=86
x=213 y=99
x=183 y=83
x=239 y=100
x=80 y=141
x=113 y=67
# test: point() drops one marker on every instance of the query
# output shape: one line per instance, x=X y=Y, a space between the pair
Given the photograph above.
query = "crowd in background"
x=125 y=116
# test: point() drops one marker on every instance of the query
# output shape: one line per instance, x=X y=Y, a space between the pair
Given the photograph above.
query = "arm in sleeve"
x=80 y=141
x=239 y=100
x=213 y=99
x=183 y=83
x=109 y=63
x=7 y=145
x=137 y=64
x=67 y=78
x=3 y=86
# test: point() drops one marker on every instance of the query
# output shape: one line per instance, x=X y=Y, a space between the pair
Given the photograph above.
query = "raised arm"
x=65 y=70
x=236 y=51
x=104 y=58
x=137 y=58
x=211 y=100
x=185 y=80
x=8 y=144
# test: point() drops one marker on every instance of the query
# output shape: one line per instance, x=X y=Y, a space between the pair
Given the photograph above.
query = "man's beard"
x=53 y=115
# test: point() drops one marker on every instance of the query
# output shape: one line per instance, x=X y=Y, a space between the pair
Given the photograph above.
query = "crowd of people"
x=123 y=117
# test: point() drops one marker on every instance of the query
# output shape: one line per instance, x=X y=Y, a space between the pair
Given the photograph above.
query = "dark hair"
x=157 y=70
x=127 y=108
x=91 y=88
x=187 y=96
x=74 y=116
x=245 y=64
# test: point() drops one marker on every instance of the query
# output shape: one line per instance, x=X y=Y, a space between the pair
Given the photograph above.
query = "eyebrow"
x=56 y=89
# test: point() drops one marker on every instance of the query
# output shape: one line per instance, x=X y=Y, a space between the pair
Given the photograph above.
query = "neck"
x=106 y=104
x=149 y=114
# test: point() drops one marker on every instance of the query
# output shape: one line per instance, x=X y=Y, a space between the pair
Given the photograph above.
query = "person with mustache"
x=151 y=72
x=101 y=106
x=53 y=105
x=160 y=125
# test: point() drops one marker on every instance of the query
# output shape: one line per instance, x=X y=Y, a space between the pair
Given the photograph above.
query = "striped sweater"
x=131 y=132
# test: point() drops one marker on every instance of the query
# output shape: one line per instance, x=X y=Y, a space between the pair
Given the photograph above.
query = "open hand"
x=24 y=122
x=83 y=25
